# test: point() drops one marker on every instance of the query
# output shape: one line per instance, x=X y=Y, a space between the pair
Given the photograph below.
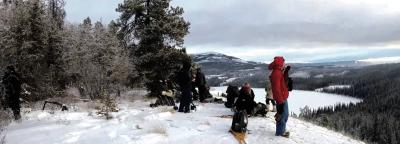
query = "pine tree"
x=55 y=22
x=25 y=41
x=152 y=30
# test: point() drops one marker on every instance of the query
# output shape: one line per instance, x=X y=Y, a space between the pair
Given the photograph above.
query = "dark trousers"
x=281 y=125
x=15 y=106
x=17 y=113
x=185 y=100
x=202 y=92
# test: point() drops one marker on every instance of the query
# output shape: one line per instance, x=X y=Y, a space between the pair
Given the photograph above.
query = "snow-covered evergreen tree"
x=55 y=22
x=94 y=59
x=153 y=31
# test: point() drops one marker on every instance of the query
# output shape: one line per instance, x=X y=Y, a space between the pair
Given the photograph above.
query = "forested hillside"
x=377 y=118
x=140 y=48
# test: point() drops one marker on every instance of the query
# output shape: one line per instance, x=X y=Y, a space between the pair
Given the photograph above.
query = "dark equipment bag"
x=290 y=84
x=260 y=109
x=239 y=121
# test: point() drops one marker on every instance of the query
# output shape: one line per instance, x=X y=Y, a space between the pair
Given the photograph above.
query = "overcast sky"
x=258 y=30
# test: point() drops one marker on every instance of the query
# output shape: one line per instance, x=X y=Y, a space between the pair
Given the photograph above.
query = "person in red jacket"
x=280 y=94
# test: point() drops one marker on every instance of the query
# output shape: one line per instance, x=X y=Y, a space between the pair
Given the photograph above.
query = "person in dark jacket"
x=201 y=85
x=12 y=83
x=280 y=94
x=185 y=83
x=232 y=93
x=245 y=100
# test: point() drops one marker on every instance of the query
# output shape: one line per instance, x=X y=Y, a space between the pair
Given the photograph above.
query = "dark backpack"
x=290 y=84
x=239 y=122
x=232 y=94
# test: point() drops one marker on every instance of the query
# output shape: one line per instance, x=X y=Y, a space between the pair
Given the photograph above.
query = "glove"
x=277 y=117
x=279 y=108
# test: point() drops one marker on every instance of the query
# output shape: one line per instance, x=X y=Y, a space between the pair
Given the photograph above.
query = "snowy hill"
x=222 y=69
x=136 y=123
x=216 y=63
x=214 y=57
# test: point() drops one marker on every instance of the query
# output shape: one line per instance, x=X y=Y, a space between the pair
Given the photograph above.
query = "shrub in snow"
x=73 y=92
x=5 y=119
x=107 y=105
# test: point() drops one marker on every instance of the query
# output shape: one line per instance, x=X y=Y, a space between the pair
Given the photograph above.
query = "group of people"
x=277 y=92
x=243 y=99
x=187 y=82
x=277 y=95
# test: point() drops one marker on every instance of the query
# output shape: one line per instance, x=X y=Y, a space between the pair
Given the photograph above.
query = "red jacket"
x=279 y=88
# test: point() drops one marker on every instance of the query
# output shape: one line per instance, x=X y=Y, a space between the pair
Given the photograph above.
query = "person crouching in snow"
x=269 y=99
x=245 y=100
x=280 y=94
x=185 y=83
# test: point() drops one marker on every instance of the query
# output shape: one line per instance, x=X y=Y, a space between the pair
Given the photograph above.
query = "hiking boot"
x=286 y=134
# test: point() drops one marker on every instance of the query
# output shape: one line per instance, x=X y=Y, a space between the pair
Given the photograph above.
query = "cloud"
x=302 y=30
x=273 y=23
x=97 y=10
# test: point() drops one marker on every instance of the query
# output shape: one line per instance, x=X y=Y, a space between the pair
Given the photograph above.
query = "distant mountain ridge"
x=221 y=69
x=212 y=57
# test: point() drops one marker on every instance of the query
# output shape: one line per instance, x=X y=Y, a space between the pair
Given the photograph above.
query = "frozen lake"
x=299 y=99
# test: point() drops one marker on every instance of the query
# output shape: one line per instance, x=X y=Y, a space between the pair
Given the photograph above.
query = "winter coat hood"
x=277 y=64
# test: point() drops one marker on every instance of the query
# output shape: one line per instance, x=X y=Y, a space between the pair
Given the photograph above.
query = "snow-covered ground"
x=136 y=123
x=299 y=99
